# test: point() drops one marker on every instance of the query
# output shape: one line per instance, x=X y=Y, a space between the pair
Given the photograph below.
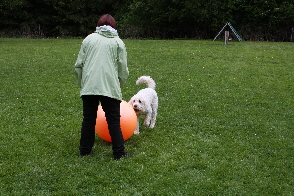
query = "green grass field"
x=224 y=127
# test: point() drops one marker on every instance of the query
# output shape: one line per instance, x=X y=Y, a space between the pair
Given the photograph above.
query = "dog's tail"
x=146 y=80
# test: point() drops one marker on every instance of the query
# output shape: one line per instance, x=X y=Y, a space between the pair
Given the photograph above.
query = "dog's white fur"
x=145 y=102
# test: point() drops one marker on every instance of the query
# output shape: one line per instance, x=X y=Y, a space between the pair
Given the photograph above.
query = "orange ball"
x=128 y=122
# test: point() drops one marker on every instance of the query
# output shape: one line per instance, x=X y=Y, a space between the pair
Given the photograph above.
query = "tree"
x=254 y=19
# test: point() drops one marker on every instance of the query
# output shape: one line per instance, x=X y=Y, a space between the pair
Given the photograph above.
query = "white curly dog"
x=145 y=102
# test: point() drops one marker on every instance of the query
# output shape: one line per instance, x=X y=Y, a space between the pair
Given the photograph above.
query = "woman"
x=101 y=70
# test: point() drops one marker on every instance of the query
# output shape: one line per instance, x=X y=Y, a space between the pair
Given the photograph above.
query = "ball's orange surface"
x=128 y=122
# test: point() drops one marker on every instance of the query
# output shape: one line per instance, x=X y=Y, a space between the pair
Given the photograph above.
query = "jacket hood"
x=106 y=31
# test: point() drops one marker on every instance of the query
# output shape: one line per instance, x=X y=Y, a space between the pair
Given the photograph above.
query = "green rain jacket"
x=101 y=66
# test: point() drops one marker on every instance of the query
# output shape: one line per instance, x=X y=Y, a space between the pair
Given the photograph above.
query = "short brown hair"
x=107 y=19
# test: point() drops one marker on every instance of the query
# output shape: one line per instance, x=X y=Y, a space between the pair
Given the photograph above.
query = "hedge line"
x=270 y=20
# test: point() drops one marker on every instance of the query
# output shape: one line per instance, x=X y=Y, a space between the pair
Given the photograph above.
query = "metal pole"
x=220 y=31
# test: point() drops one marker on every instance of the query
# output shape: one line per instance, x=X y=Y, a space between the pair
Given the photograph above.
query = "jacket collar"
x=106 y=31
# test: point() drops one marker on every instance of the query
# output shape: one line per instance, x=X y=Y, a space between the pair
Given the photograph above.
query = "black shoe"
x=82 y=154
x=122 y=156
x=84 y=151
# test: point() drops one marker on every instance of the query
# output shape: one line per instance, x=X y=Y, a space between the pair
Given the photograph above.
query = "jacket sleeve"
x=78 y=68
x=123 y=71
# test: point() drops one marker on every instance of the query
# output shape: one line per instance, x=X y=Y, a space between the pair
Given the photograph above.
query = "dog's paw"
x=136 y=132
x=152 y=124
x=147 y=124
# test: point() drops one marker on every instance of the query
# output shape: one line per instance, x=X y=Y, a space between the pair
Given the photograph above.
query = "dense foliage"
x=200 y=19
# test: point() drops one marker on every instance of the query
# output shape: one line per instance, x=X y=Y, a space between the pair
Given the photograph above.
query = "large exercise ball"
x=128 y=122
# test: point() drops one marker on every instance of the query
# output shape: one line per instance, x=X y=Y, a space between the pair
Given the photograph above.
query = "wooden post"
x=227 y=33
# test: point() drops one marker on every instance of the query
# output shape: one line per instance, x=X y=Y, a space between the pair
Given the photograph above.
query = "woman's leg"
x=90 y=105
x=111 y=108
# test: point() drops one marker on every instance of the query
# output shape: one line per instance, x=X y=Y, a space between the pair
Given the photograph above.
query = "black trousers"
x=111 y=108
